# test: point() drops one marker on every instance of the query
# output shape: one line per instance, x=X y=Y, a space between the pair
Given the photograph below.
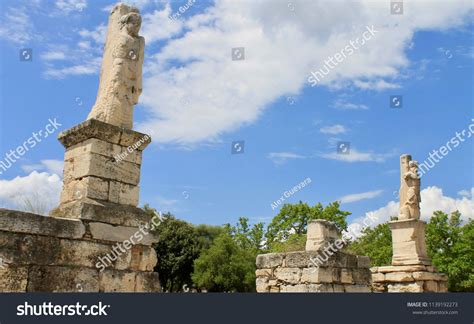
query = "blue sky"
x=197 y=101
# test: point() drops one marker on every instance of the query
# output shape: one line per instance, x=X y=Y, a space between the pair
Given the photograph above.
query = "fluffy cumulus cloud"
x=38 y=192
x=432 y=199
x=194 y=92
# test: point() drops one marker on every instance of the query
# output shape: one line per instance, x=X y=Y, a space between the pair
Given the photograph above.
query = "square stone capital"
x=93 y=128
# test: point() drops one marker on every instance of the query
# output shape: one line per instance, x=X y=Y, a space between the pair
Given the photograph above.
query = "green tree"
x=176 y=249
x=225 y=267
x=375 y=243
x=451 y=248
x=292 y=220
x=247 y=237
x=206 y=234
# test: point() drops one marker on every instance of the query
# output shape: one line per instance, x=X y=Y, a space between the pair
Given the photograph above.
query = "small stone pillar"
x=320 y=233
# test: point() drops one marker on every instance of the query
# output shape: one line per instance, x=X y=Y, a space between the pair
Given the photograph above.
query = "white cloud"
x=67 y=6
x=360 y=196
x=432 y=199
x=158 y=26
x=333 y=130
x=225 y=95
x=356 y=156
x=41 y=190
x=53 y=56
x=16 y=25
x=344 y=105
x=280 y=158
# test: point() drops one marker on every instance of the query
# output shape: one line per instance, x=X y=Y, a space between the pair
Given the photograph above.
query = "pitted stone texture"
x=270 y=260
x=106 y=232
x=62 y=279
x=20 y=222
x=147 y=282
x=13 y=278
x=317 y=275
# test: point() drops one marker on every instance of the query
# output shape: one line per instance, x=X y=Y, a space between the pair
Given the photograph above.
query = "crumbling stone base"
x=292 y=272
x=410 y=278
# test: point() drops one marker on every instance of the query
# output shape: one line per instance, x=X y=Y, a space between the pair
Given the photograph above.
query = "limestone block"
x=338 y=288
x=298 y=259
x=88 y=187
x=429 y=276
x=357 y=289
x=430 y=286
x=269 y=260
x=123 y=193
x=91 y=128
x=320 y=288
x=317 y=275
x=289 y=275
x=13 y=278
x=89 y=253
x=264 y=273
x=23 y=249
x=21 y=222
x=117 y=281
x=442 y=286
x=143 y=258
x=147 y=282
x=62 y=279
x=406 y=287
x=346 y=276
x=104 y=212
x=262 y=285
x=345 y=260
x=107 y=232
x=379 y=287
x=104 y=167
x=410 y=268
x=294 y=288
x=398 y=277
x=362 y=276
x=378 y=277
x=363 y=261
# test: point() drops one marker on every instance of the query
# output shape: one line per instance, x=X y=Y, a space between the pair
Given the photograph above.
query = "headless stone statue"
x=409 y=189
x=121 y=73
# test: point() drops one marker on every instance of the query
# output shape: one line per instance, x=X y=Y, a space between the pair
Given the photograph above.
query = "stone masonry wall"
x=292 y=272
x=53 y=254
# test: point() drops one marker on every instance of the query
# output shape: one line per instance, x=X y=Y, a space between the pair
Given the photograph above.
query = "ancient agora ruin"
x=97 y=240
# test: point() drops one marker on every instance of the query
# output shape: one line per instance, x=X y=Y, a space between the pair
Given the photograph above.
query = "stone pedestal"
x=408 y=241
x=101 y=164
x=411 y=269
